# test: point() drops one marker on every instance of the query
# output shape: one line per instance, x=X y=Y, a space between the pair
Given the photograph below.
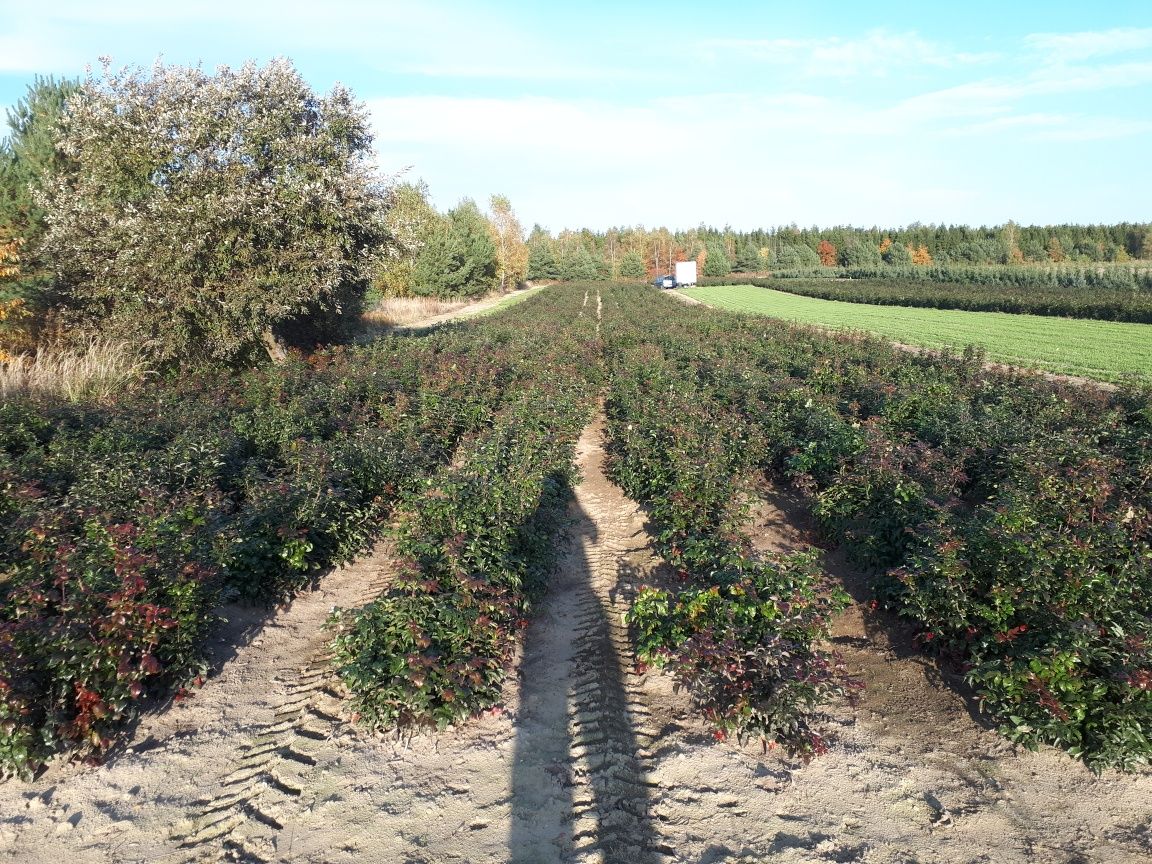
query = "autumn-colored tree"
x=10 y=257
x=13 y=310
x=828 y=253
x=1055 y=250
x=508 y=237
x=885 y=245
x=921 y=255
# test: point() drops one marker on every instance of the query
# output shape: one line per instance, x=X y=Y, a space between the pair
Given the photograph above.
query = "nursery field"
x=599 y=577
x=1105 y=350
x=1101 y=293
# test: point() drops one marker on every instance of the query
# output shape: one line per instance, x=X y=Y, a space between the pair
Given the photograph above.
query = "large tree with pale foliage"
x=211 y=216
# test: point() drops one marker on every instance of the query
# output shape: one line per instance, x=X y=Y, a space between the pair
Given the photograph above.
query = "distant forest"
x=640 y=252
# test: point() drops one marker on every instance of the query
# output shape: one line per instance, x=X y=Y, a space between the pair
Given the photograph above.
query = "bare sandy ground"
x=586 y=761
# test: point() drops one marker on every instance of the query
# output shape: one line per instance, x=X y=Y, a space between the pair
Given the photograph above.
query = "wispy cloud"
x=24 y=50
x=1055 y=127
x=877 y=53
x=1067 y=47
x=999 y=95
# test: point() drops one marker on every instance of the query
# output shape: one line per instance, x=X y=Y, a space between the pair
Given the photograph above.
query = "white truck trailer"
x=685 y=273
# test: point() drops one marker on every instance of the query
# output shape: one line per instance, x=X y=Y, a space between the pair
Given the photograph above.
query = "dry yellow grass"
x=395 y=311
x=99 y=370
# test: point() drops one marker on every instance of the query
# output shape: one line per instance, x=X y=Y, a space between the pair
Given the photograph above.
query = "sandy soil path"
x=587 y=761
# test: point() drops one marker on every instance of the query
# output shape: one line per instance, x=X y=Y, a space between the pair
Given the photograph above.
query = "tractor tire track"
x=610 y=727
x=272 y=779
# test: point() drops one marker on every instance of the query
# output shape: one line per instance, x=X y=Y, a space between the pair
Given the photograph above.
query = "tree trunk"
x=274 y=346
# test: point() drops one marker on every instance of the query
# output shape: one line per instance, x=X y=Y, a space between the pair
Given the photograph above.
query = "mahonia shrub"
x=1005 y=515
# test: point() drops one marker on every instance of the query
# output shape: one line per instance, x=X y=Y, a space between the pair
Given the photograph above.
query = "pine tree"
x=458 y=258
x=748 y=259
x=632 y=265
x=716 y=261
x=27 y=157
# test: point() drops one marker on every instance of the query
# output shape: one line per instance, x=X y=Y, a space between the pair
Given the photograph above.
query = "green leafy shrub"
x=745 y=648
x=434 y=649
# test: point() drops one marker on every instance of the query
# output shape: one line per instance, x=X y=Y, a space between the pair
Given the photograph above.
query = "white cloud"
x=520 y=69
x=432 y=33
x=737 y=158
x=877 y=53
x=1055 y=127
x=25 y=50
x=1065 y=47
x=1000 y=95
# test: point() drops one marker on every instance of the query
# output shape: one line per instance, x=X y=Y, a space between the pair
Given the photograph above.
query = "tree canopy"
x=27 y=156
x=458 y=257
x=209 y=216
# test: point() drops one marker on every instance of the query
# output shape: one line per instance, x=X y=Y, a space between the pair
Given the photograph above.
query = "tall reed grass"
x=96 y=370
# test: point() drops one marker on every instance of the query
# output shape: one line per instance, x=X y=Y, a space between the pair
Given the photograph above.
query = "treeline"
x=218 y=217
x=637 y=253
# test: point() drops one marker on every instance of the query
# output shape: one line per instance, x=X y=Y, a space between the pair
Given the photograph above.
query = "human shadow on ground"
x=578 y=782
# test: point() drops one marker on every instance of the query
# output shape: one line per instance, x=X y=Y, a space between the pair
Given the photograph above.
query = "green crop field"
x=1106 y=350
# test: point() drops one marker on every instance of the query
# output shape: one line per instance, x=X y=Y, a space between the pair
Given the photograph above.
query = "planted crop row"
x=1009 y=517
x=122 y=527
x=474 y=541
x=1080 y=294
x=739 y=630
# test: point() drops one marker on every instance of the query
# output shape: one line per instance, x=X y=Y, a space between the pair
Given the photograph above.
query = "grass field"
x=509 y=300
x=1105 y=350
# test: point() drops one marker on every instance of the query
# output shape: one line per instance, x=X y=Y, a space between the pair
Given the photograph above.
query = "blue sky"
x=594 y=114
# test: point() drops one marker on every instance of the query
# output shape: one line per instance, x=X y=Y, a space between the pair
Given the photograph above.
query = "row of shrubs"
x=741 y=631
x=1065 y=276
x=1009 y=517
x=123 y=526
x=473 y=548
x=476 y=539
x=1110 y=294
